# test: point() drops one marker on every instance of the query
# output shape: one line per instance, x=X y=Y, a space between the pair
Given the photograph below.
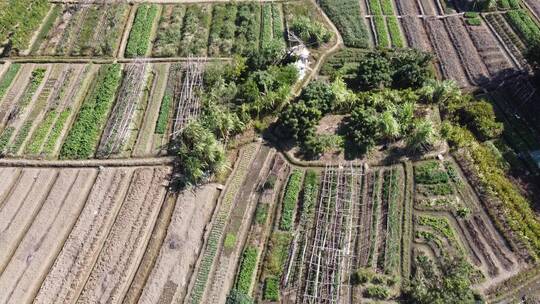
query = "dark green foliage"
x=236 y=297
x=376 y=292
x=319 y=94
x=374 y=71
x=170 y=27
x=404 y=69
x=347 y=18
x=363 y=128
x=223 y=28
x=290 y=198
x=139 y=37
x=84 y=134
x=310 y=31
x=19 y=19
x=195 y=30
x=200 y=154
x=524 y=25
x=164 y=112
x=480 y=118
x=271 y=289
x=248 y=266
x=248 y=28
x=533 y=57
x=430 y=173
x=450 y=282
x=8 y=78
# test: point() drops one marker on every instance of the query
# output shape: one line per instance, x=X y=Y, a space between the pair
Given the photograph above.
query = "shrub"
x=248 y=265
x=84 y=134
x=139 y=37
x=247 y=28
x=310 y=31
x=430 y=173
x=271 y=289
x=289 y=200
x=377 y=292
x=230 y=241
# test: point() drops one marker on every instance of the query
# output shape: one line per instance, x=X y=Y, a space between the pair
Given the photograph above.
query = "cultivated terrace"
x=273 y=151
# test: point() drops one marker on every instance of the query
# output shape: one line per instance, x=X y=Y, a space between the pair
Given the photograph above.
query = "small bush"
x=377 y=292
x=230 y=241
x=430 y=173
x=310 y=31
x=271 y=289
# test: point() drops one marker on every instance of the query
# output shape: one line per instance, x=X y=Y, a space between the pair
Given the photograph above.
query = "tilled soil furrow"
x=37 y=251
x=449 y=61
x=181 y=247
x=407 y=7
x=74 y=263
x=9 y=178
x=415 y=32
x=123 y=249
x=20 y=208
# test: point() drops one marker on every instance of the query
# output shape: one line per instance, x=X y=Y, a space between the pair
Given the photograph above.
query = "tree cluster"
x=388 y=69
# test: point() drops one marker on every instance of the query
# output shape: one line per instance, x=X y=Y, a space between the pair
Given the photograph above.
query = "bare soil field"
x=181 y=246
x=60 y=227
x=407 y=7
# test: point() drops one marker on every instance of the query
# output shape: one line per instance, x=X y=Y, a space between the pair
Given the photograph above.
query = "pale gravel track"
x=73 y=265
x=125 y=244
x=29 y=265
x=18 y=211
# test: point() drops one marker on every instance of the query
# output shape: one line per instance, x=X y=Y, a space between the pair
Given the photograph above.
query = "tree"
x=298 y=119
x=390 y=128
x=448 y=283
x=374 y=71
x=364 y=128
x=199 y=154
x=412 y=69
x=320 y=95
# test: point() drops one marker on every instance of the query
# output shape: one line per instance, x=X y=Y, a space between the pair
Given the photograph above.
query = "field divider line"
x=105 y=60
x=128 y=162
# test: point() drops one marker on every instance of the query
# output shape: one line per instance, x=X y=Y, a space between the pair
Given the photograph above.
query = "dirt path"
x=18 y=212
x=131 y=162
x=125 y=244
x=9 y=178
x=23 y=276
x=70 y=271
x=181 y=247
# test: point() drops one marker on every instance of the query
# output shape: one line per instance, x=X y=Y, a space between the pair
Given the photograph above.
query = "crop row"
x=139 y=37
x=248 y=22
x=248 y=265
x=216 y=232
x=222 y=31
x=376 y=214
x=35 y=81
x=8 y=78
x=390 y=193
x=84 y=135
x=290 y=198
x=346 y=15
x=381 y=31
x=56 y=131
x=524 y=25
x=195 y=30
x=40 y=134
x=164 y=112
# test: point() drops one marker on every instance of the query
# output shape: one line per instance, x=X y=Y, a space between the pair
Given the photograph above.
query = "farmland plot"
x=512 y=41
x=496 y=61
x=415 y=33
x=117 y=130
x=449 y=61
x=85 y=30
x=472 y=63
x=407 y=7
x=215 y=237
x=449 y=219
x=22 y=277
x=181 y=246
x=127 y=238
